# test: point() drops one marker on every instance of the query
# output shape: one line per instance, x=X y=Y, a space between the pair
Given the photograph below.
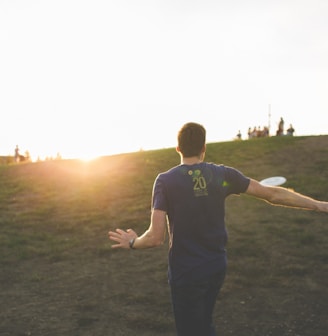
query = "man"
x=190 y=199
x=290 y=131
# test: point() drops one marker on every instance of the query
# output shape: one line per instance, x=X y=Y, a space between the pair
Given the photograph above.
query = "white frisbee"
x=273 y=181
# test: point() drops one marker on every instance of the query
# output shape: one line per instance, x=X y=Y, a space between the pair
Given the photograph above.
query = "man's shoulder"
x=168 y=172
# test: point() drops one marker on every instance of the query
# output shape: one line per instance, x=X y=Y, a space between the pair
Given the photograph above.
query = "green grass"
x=59 y=275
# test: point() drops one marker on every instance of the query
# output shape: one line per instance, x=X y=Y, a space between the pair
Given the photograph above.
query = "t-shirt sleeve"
x=159 y=199
x=236 y=181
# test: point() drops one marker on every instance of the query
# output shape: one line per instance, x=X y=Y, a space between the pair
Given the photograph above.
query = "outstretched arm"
x=285 y=197
x=152 y=237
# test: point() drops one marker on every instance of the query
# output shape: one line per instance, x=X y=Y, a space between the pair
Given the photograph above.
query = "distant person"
x=239 y=135
x=249 y=133
x=27 y=156
x=265 y=132
x=189 y=201
x=259 y=132
x=17 y=154
x=290 y=131
x=281 y=124
x=253 y=133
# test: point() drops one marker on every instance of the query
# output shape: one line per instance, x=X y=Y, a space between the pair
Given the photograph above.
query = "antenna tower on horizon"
x=269 y=116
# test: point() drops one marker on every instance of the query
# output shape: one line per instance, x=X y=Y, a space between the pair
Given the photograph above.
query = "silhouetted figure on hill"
x=258 y=132
x=249 y=133
x=262 y=133
x=27 y=156
x=17 y=154
x=290 y=131
x=280 y=130
x=252 y=133
x=22 y=158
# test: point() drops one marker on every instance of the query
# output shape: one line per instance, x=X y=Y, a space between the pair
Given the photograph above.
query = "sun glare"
x=88 y=157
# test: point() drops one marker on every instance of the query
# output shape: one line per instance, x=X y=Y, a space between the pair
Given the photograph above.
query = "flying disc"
x=273 y=181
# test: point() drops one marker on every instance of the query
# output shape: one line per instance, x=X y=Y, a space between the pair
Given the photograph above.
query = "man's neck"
x=191 y=160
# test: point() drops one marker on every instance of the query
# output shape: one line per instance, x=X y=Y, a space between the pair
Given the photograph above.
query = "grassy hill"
x=59 y=276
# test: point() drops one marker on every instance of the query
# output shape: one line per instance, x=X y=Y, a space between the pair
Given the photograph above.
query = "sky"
x=85 y=78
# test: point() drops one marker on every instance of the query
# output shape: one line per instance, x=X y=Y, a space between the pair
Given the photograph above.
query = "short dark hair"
x=191 y=139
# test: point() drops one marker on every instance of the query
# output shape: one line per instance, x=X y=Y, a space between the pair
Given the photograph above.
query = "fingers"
x=120 y=231
x=121 y=241
x=114 y=238
x=117 y=235
x=116 y=246
x=121 y=237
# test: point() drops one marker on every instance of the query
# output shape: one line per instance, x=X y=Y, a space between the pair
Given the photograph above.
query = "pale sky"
x=99 y=77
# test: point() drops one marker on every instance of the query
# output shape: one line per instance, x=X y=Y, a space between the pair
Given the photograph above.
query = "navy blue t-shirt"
x=193 y=196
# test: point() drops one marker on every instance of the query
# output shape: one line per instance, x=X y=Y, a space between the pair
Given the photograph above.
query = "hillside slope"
x=59 y=276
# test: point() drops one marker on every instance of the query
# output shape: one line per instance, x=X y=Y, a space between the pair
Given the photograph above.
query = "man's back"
x=193 y=197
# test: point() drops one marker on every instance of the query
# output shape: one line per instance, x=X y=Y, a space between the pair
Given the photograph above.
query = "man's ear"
x=177 y=149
